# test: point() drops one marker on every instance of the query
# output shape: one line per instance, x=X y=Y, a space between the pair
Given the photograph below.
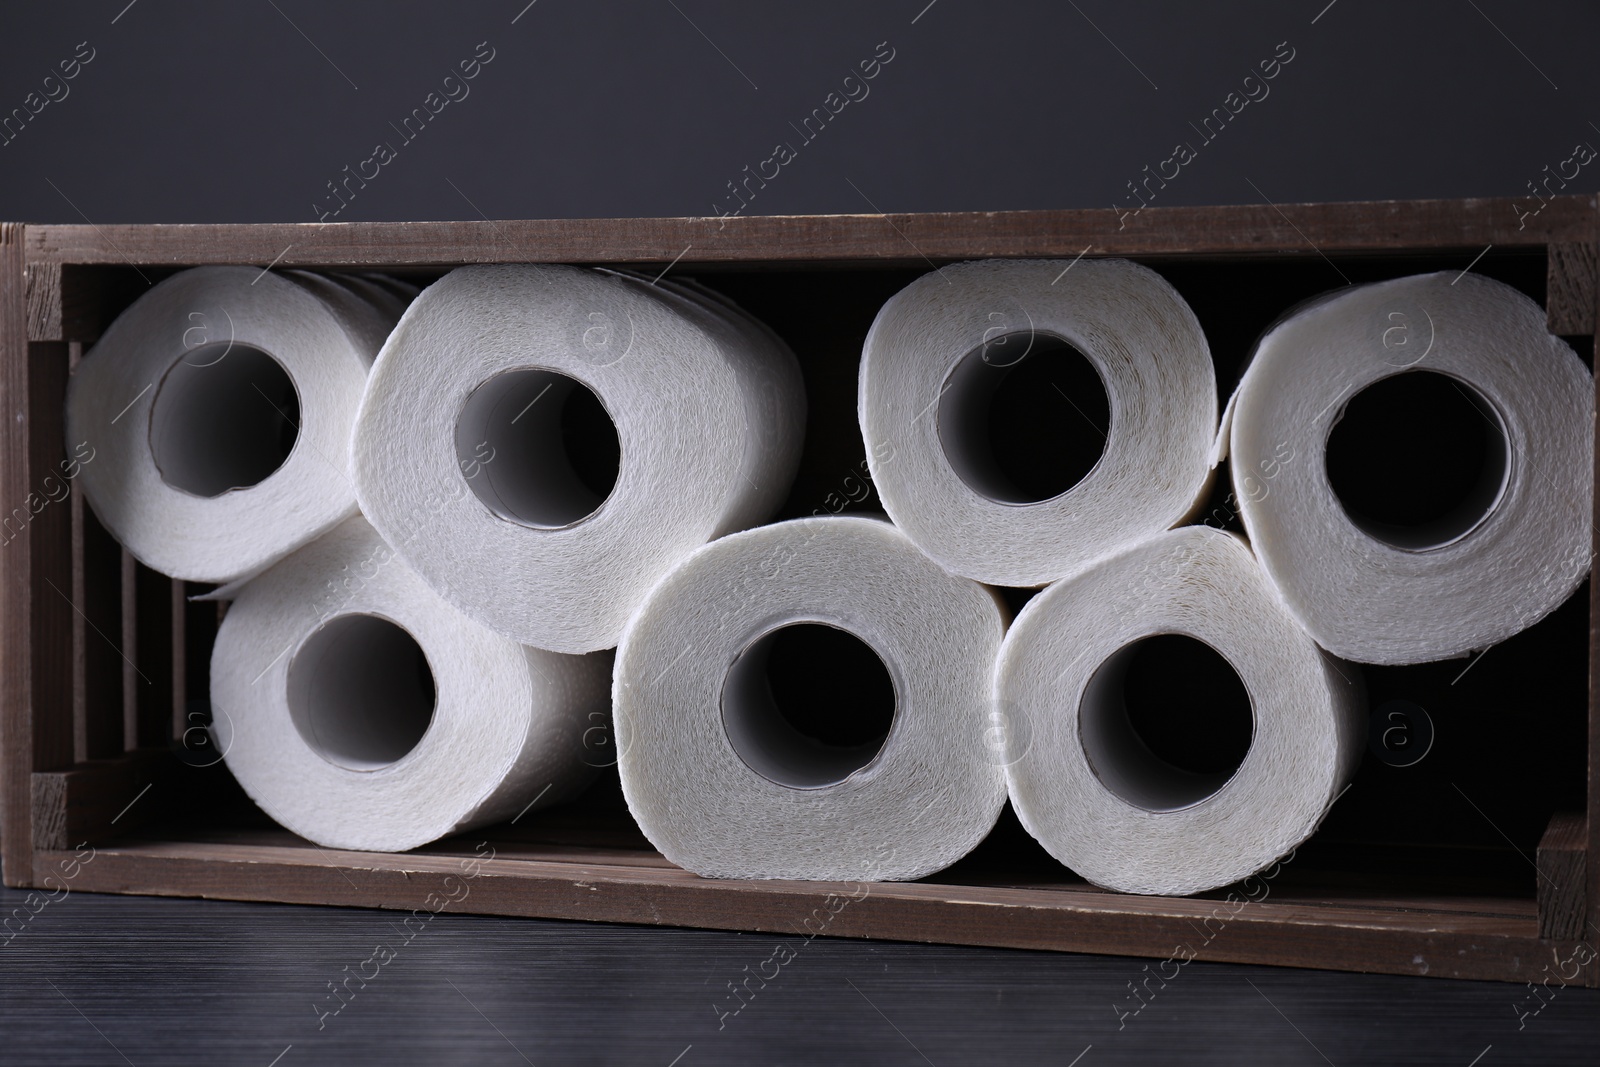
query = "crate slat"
x=907 y=239
x=1421 y=939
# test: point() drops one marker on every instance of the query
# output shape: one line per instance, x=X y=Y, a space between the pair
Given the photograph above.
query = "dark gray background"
x=242 y=112
x=194 y=112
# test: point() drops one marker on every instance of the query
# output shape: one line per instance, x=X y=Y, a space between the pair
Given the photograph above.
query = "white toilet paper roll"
x=461 y=464
x=1086 y=783
x=361 y=711
x=1515 y=547
x=941 y=347
x=368 y=310
x=219 y=407
x=392 y=295
x=729 y=778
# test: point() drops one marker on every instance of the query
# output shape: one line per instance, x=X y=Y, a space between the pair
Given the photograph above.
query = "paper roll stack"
x=729 y=782
x=940 y=349
x=466 y=458
x=1512 y=551
x=361 y=711
x=219 y=409
x=556 y=461
x=1085 y=783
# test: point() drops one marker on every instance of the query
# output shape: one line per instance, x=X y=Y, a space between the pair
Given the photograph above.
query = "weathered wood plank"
x=1570 y=287
x=1308 y=229
x=1416 y=940
x=44 y=302
x=16 y=707
x=36 y=542
x=1562 y=877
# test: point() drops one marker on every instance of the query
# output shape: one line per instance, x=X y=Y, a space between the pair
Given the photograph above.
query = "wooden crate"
x=102 y=661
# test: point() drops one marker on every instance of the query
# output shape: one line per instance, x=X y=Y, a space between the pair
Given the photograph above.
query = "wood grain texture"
x=1303 y=229
x=197 y=983
x=72 y=303
x=49 y=807
x=44 y=302
x=16 y=708
x=1563 y=879
x=1570 y=289
x=98 y=799
x=552 y=883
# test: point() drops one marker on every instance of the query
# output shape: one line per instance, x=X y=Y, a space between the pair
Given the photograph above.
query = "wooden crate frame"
x=78 y=753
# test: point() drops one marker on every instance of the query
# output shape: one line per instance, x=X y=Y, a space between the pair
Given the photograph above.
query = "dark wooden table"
x=96 y=979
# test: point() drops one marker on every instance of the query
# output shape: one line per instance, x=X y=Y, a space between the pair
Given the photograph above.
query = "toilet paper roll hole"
x=361 y=692
x=1023 y=418
x=808 y=704
x=1165 y=722
x=225 y=416
x=538 y=448
x=1418 y=460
